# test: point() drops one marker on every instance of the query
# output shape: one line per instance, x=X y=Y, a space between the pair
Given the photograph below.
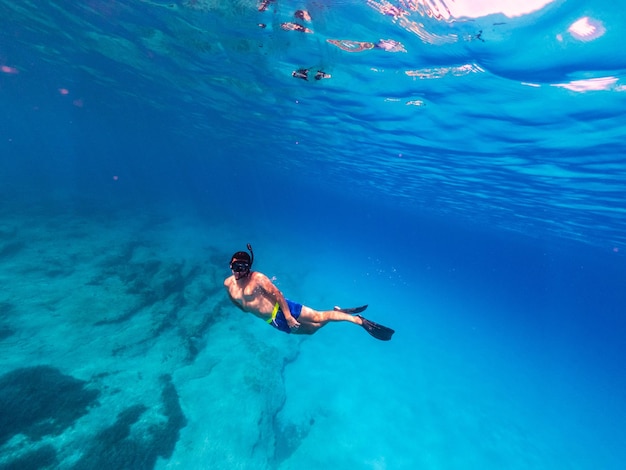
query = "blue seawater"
x=458 y=165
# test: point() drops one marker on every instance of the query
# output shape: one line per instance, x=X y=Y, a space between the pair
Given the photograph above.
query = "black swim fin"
x=351 y=310
x=377 y=331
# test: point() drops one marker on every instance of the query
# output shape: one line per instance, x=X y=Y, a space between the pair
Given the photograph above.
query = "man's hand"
x=292 y=322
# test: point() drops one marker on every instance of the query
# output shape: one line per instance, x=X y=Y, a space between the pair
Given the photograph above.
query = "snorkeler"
x=264 y=4
x=388 y=45
x=302 y=15
x=321 y=75
x=301 y=73
x=304 y=74
x=253 y=292
x=295 y=27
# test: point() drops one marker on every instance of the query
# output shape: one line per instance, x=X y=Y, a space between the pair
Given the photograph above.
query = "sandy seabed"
x=120 y=350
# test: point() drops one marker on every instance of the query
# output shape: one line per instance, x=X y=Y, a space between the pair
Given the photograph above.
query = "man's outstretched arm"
x=275 y=295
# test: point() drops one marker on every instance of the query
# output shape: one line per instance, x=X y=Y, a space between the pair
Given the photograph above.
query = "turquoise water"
x=463 y=174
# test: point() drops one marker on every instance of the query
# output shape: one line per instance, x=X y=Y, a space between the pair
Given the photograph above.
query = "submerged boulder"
x=37 y=401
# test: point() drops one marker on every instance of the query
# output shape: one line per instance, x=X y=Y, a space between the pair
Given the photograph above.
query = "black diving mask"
x=240 y=266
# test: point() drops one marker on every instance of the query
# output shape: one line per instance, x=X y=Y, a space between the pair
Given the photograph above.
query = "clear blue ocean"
x=457 y=165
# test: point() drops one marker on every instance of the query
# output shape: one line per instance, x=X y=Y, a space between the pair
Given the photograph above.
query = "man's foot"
x=351 y=311
x=377 y=331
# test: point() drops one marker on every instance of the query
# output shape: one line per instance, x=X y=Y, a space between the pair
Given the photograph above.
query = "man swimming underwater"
x=253 y=292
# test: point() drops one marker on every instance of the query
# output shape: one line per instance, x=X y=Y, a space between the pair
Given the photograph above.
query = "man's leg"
x=320 y=318
x=312 y=320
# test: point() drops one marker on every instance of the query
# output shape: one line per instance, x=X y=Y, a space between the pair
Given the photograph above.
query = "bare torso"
x=250 y=295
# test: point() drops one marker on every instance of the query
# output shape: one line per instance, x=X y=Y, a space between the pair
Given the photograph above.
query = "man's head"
x=241 y=262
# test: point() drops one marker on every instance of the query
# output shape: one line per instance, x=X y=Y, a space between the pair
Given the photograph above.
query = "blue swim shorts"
x=278 y=319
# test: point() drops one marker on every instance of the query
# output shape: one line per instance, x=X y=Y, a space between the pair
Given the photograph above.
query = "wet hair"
x=241 y=256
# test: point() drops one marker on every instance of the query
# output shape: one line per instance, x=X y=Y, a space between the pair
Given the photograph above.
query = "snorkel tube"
x=251 y=254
